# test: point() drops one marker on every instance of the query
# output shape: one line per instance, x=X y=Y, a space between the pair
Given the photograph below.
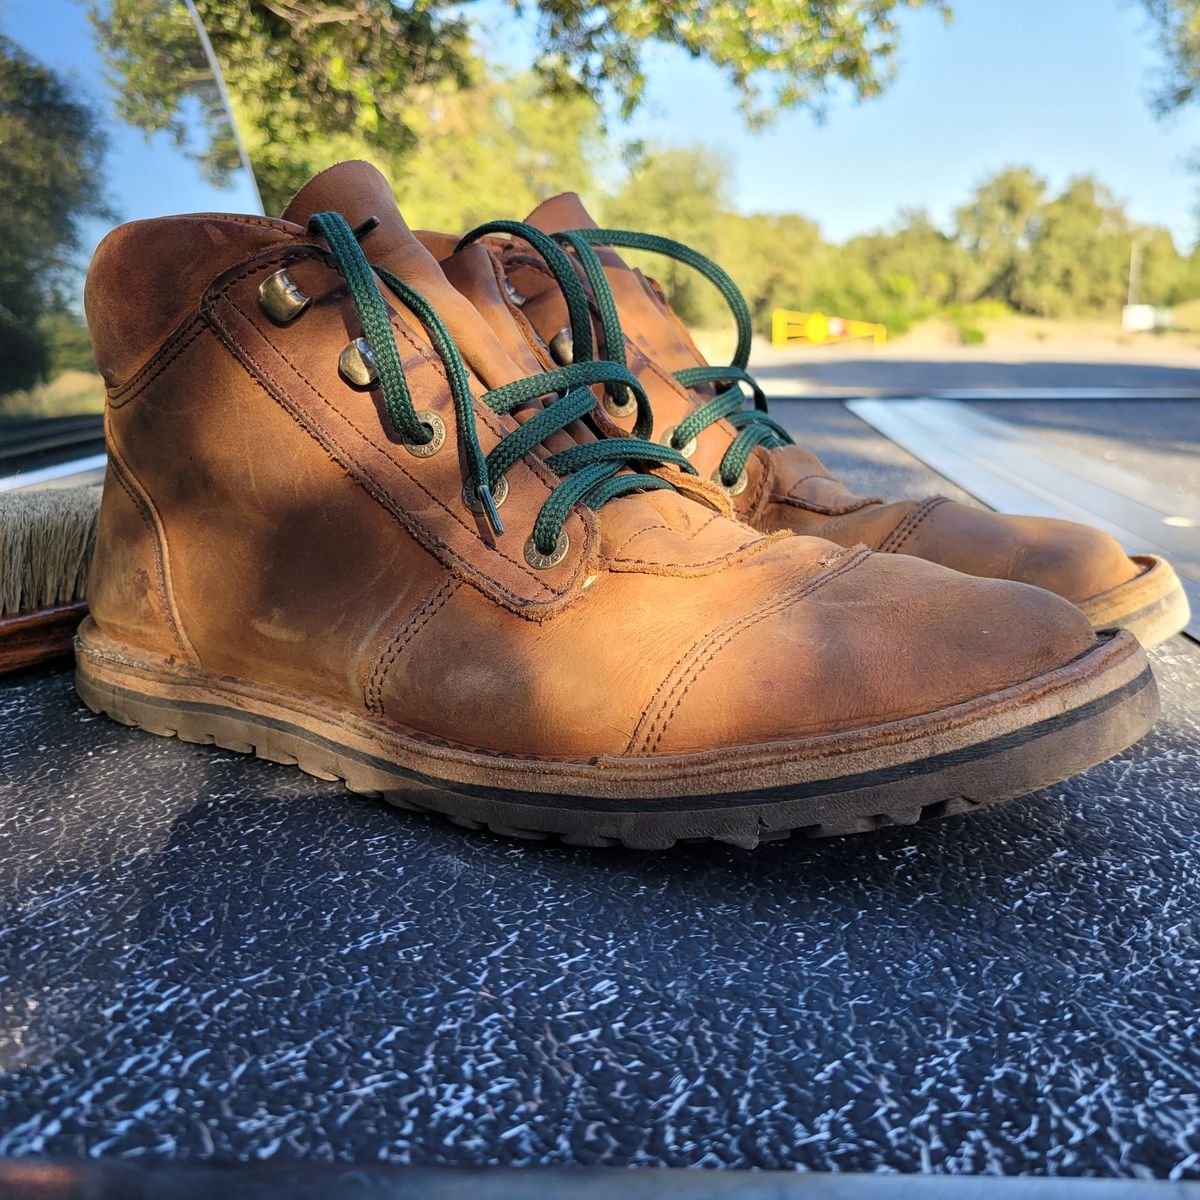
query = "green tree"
x=51 y=151
x=679 y=193
x=779 y=261
x=313 y=79
x=1165 y=275
x=1077 y=254
x=498 y=146
x=304 y=76
x=776 y=53
x=1177 y=24
x=995 y=228
x=1013 y=246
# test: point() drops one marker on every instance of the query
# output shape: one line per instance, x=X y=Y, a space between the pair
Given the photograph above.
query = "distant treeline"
x=1013 y=246
x=482 y=143
x=499 y=147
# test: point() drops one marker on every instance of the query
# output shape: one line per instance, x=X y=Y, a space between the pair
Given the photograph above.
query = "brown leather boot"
x=775 y=484
x=295 y=558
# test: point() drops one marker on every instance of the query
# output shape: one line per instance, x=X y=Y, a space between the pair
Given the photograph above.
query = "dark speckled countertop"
x=208 y=957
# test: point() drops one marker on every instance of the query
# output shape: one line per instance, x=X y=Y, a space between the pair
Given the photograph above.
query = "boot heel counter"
x=129 y=591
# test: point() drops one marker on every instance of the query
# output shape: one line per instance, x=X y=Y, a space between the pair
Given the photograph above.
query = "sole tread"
x=910 y=793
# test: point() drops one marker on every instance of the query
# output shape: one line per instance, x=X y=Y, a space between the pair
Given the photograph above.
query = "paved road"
x=1156 y=438
x=830 y=371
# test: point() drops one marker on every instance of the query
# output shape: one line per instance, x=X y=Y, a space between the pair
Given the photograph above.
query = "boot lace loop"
x=592 y=473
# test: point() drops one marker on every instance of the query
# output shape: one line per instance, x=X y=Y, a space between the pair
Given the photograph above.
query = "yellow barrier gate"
x=816 y=329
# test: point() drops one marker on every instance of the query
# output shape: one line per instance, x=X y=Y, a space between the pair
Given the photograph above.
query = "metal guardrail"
x=43 y=450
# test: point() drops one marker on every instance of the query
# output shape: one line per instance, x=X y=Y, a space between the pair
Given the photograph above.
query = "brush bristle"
x=46 y=541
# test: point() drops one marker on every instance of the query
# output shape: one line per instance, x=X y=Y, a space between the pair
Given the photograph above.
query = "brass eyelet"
x=511 y=292
x=619 y=410
x=543 y=562
x=356 y=364
x=562 y=348
x=738 y=486
x=471 y=500
x=687 y=451
x=438 y=428
x=281 y=299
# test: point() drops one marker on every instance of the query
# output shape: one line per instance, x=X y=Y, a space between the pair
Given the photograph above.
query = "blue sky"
x=150 y=177
x=1060 y=85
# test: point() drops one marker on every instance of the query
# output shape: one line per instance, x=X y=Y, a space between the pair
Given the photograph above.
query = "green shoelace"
x=593 y=473
x=755 y=427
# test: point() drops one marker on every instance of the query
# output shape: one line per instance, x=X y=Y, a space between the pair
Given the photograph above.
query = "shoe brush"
x=46 y=541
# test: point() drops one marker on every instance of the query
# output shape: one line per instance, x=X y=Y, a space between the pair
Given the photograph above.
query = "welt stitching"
x=341 y=455
x=279 y=226
x=749 y=620
x=691 y=537
x=806 y=478
x=824 y=510
x=401 y=639
x=161 y=571
x=701 y=528
x=907 y=527
x=901 y=526
x=636 y=534
x=396 y=463
x=280 y=256
x=423 y=352
x=388 y=455
x=728 y=556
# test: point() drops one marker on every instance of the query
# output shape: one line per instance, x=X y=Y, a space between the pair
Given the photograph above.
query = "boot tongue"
x=560 y=213
x=645 y=318
x=358 y=191
x=475 y=274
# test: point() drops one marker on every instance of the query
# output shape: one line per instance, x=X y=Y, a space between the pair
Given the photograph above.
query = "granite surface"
x=207 y=957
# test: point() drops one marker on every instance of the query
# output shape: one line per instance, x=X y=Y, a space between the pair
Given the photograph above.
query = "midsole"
x=1112 y=671
x=1137 y=597
x=879 y=777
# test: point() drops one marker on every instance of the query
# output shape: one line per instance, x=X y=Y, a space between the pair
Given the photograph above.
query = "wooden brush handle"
x=38 y=637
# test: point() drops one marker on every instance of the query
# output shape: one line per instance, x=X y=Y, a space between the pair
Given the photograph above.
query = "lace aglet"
x=489 y=508
x=361 y=231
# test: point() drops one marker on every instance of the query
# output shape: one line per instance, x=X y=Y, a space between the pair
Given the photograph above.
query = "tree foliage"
x=303 y=75
x=50 y=183
x=1013 y=246
x=498 y=142
x=306 y=76
x=1178 y=26
x=776 y=53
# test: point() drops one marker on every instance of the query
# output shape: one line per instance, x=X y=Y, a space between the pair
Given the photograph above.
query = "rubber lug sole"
x=1152 y=605
x=958 y=760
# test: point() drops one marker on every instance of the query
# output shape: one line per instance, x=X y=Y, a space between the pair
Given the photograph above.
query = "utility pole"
x=1135 y=266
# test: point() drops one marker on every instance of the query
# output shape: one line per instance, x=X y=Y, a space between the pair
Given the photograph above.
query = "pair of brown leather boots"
x=403 y=512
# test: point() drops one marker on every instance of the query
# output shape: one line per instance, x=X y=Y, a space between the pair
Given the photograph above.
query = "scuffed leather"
x=301 y=546
x=789 y=488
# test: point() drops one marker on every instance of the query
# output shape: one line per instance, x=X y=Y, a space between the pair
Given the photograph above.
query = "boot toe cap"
x=892 y=638
x=1074 y=561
